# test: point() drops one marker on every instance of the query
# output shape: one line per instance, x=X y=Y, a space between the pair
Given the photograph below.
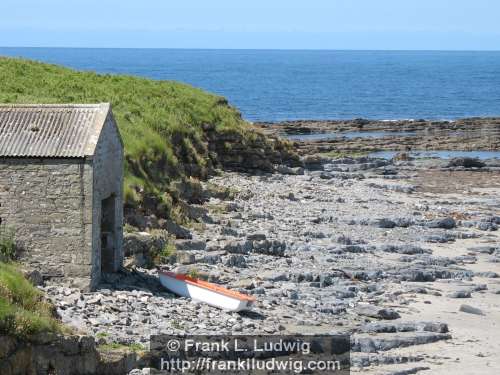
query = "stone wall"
x=48 y=202
x=70 y=355
x=108 y=182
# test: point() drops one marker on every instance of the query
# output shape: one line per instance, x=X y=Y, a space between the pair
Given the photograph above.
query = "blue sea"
x=274 y=85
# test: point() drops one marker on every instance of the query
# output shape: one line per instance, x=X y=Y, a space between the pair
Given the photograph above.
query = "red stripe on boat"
x=209 y=286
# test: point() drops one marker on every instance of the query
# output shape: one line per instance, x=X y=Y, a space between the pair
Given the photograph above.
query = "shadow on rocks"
x=133 y=279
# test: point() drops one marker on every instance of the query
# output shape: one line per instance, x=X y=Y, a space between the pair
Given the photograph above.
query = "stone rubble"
x=342 y=254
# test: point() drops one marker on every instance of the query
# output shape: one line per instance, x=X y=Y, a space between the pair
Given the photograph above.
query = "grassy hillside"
x=23 y=312
x=164 y=124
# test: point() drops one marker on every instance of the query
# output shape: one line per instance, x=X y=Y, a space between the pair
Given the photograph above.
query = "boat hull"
x=202 y=293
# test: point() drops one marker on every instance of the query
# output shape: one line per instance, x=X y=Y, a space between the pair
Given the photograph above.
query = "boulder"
x=460 y=294
x=236 y=260
x=470 y=310
x=185 y=257
x=190 y=245
x=466 y=163
x=177 y=230
x=446 y=223
x=377 y=312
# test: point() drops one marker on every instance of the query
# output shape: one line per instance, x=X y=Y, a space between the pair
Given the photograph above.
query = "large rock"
x=373 y=344
x=407 y=249
x=142 y=242
x=382 y=327
x=190 y=245
x=236 y=260
x=470 y=310
x=185 y=257
x=466 y=163
x=314 y=162
x=177 y=230
x=269 y=247
x=446 y=223
x=283 y=169
x=377 y=312
x=142 y=247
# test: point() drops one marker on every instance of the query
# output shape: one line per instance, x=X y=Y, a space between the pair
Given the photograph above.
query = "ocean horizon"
x=279 y=85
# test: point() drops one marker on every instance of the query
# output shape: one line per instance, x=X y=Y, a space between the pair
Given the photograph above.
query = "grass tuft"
x=23 y=311
x=7 y=244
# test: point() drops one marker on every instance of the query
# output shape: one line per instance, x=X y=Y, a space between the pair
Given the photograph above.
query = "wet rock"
x=373 y=344
x=404 y=249
x=466 y=163
x=377 y=312
x=417 y=275
x=446 y=223
x=379 y=327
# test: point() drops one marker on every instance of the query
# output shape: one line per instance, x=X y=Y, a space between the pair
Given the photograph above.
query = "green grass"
x=115 y=346
x=162 y=123
x=7 y=243
x=168 y=250
x=23 y=311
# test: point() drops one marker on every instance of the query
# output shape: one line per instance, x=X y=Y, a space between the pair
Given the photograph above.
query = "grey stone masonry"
x=67 y=213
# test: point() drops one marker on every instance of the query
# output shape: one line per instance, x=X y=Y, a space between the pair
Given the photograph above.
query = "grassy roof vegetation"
x=23 y=311
x=161 y=122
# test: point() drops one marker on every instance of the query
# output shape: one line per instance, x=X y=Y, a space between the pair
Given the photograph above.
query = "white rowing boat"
x=203 y=291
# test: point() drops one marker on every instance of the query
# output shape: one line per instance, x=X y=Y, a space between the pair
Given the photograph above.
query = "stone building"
x=61 y=189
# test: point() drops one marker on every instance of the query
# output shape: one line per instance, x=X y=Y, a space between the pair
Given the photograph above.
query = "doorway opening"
x=108 y=242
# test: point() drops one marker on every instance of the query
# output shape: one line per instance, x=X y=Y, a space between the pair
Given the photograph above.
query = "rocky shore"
x=404 y=255
x=364 y=136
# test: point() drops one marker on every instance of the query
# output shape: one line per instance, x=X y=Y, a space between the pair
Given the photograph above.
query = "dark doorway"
x=108 y=245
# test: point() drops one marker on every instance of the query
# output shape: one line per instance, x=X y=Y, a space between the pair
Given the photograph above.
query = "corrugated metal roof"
x=51 y=131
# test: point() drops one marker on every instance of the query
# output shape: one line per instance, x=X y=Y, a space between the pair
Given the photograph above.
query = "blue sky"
x=295 y=24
